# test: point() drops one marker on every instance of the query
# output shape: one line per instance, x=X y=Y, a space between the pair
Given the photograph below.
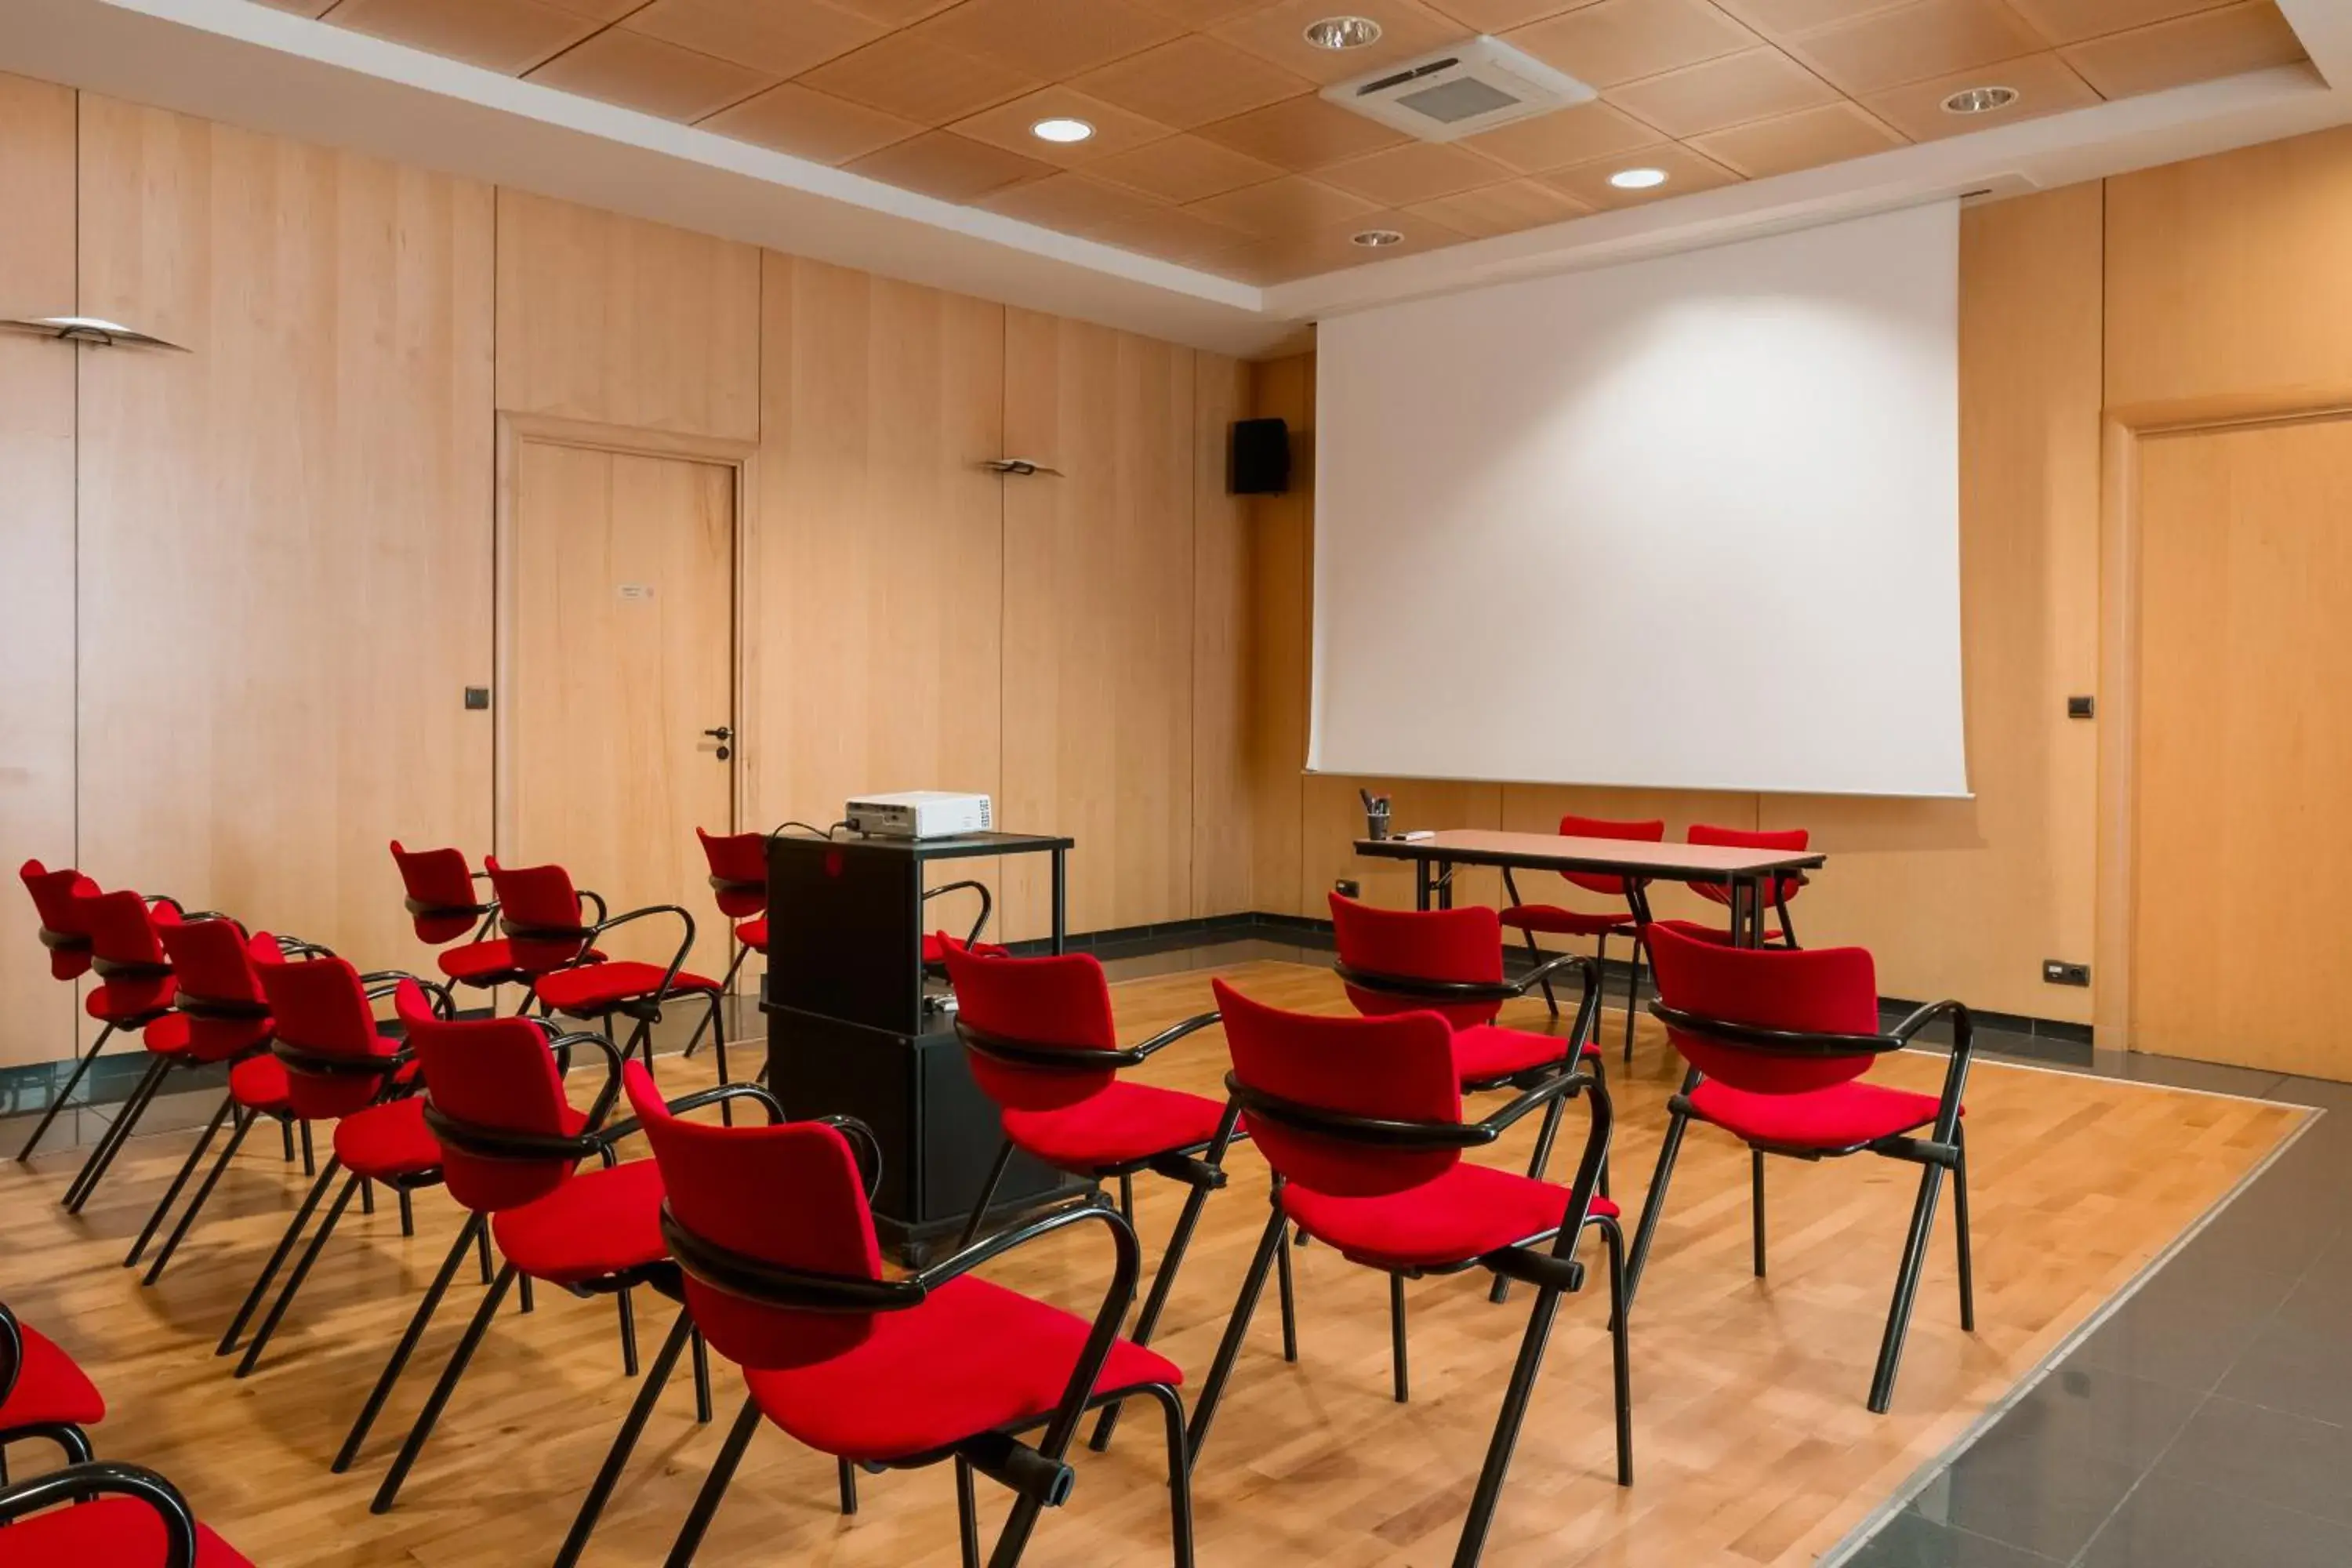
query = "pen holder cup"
x=1376 y=822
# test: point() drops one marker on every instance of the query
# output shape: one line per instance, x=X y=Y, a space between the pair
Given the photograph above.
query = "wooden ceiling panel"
x=2044 y=85
x=1070 y=203
x=896 y=13
x=1619 y=41
x=1203 y=14
x=1782 y=19
x=599 y=10
x=1502 y=16
x=1687 y=170
x=789 y=118
x=1192 y=80
x=917 y=79
x=1182 y=169
x=1755 y=84
x=1333 y=249
x=1174 y=234
x=1055 y=39
x=1564 y=136
x=1416 y=172
x=1914 y=42
x=642 y=73
x=2199 y=47
x=1506 y=208
x=509 y=36
x=1805 y=139
x=1008 y=126
x=781 y=40
x=1302 y=133
x=1291 y=204
x=1278 y=33
x=2072 y=21
x=954 y=168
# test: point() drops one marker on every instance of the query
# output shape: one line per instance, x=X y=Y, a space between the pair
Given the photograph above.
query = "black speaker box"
x=1261 y=464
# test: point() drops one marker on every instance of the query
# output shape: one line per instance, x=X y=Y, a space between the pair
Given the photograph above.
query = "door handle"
x=722 y=734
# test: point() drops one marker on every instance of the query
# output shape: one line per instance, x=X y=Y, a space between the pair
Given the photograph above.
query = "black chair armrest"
x=1920 y=1017
x=698 y=1100
x=76 y=1482
x=677 y=959
x=1175 y=1032
x=987 y=904
x=1554 y=1088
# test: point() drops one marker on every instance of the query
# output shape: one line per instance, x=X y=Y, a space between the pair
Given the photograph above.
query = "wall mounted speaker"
x=1261 y=463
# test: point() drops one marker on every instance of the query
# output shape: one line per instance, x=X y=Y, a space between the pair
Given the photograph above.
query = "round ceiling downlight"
x=1373 y=238
x=1638 y=179
x=1343 y=32
x=1979 y=100
x=1061 y=129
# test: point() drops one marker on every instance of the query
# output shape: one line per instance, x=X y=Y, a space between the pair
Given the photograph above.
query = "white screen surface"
x=1689 y=523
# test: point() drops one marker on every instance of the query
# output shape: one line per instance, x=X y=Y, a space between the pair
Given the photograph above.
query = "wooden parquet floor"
x=1752 y=1446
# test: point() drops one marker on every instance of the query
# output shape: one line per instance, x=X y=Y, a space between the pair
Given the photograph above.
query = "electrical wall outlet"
x=1348 y=888
x=2058 y=972
x=2081 y=707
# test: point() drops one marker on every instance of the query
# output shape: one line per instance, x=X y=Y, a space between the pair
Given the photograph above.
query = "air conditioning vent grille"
x=1459 y=91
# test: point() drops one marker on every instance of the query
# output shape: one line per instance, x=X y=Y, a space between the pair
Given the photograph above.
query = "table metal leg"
x=1061 y=900
x=1421 y=884
x=1445 y=884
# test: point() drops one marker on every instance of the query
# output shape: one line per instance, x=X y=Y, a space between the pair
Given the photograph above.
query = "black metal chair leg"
x=846 y=1475
x=1500 y=1292
x=1180 y=1473
x=1620 y=1348
x=1288 y=1292
x=1507 y=1430
x=1126 y=1198
x=294 y=1281
x=1907 y=1290
x=528 y=1303
x=701 y=1380
x=1229 y=1349
x=967 y=1514
x=1632 y=996
x=1536 y=956
x=407 y=1212
x=987 y=1196
x=1960 y=1219
x=278 y=1258
x=719 y=1048
x=1756 y=1205
x=1396 y=1338
x=367 y=1196
x=1654 y=1204
x=414 y=1445
x=58 y=1103
x=1148 y=1322
x=625 y=1443
x=482 y=1249
x=179 y=1183
x=244 y=1124
x=714 y=1488
x=1601 y=973
x=310 y=1161
x=126 y=1121
x=286 y=1130
x=628 y=1311
x=349 y=1452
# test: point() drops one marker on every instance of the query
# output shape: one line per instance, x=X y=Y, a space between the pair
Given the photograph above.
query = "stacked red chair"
x=340 y=1068
x=1361 y=1120
x=1041 y=1043
x=1625 y=920
x=1779 y=1043
x=938 y=1366
x=1783 y=888
x=136 y=991
x=57 y=900
x=443 y=906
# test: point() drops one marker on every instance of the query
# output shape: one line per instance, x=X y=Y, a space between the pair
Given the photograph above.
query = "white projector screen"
x=1690 y=522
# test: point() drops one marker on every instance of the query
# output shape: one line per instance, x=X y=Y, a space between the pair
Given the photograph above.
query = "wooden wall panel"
x=625 y=322
x=286 y=534
x=1282 y=536
x=1223 y=840
x=1099 y=620
x=2226 y=275
x=876 y=652
x=36 y=551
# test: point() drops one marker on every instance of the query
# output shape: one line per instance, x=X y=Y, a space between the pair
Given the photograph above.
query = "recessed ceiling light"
x=1979 y=100
x=1343 y=32
x=1061 y=129
x=1372 y=237
x=1637 y=179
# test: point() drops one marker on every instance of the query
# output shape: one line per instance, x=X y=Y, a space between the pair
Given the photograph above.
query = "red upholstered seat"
x=109 y=1533
x=598 y=987
x=1843 y=1116
x=1564 y=922
x=386 y=1140
x=972 y=1357
x=259 y=1084
x=936 y=948
x=753 y=934
x=49 y=1388
x=123 y=1003
x=478 y=960
x=1483 y=1052
x=1116 y=1126
x=167 y=1036
x=596 y=1225
x=1469 y=1211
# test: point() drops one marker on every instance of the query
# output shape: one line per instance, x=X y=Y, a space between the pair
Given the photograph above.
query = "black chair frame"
x=979 y=926
x=646 y=1011
x=1945 y=1148
x=1637 y=902
x=83 y=1482
x=1553 y=1271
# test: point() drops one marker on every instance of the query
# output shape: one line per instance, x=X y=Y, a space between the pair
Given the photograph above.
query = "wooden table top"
x=1620 y=857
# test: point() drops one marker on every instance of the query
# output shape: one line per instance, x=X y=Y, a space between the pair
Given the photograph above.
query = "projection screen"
x=1687 y=523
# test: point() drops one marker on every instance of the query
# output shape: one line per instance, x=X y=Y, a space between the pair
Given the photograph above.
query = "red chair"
x=340 y=1067
x=511 y=1147
x=545 y=919
x=1361 y=1122
x=43 y=1394
x=1039 y=1035
x=938 y=945
x=114 y=1516
x=136 y=992
x=444 y=905
x=1600 y=925
x=61 y=933
x=1783 y=888
x=739 y=881
x=67 y=901
x=890 y=1374
x=1778 y=1042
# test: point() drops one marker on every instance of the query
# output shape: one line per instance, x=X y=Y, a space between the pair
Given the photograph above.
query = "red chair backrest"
x=789 y=1195
x=215 y=962
x=1820 y=990
x=497 y=1074
x=739 y=871
x=321 y=1008
x=1749 y=839
x=1574 y=827
x=53 y=895
x=1054 y=1001
x=1399 y=1068
x=121 y=927
x=437 y=880
x=1464 y=944
x=539 y=897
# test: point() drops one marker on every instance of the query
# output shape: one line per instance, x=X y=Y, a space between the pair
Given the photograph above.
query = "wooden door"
x=2242 y=820
x=623 y=658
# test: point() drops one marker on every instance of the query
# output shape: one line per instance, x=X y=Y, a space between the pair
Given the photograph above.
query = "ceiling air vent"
x=1451 y=93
